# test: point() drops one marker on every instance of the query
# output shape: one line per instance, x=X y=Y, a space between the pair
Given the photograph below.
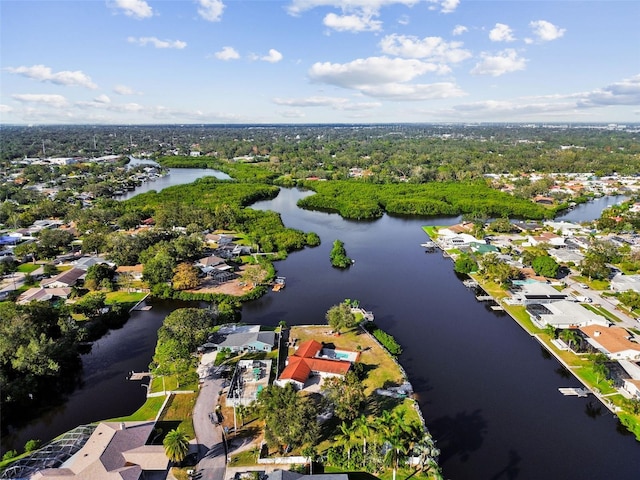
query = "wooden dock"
x=578 y=392
x=139 y=375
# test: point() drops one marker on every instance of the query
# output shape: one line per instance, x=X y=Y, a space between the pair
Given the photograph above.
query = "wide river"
x=488 y=391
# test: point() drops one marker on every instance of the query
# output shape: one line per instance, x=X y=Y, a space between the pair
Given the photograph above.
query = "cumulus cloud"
x=156 y=42
x=459 y=30
x=446 y=6
x=360 y=15
x=50 y=100
x=352 y=23
x=503 y=62
x=432 y=48
x=274 y=56
x=372 y=70
x=211 y=10
x=545 y=31
x=5 y=108
x=45 y=74
x=123 y=90
x=501 y=33
x=227 y=53
x=384 y=77
x=134 y=8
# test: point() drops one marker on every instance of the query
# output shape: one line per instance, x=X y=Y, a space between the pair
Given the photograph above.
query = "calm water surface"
x=487 y=389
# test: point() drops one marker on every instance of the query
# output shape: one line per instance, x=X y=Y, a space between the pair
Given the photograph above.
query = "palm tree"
x=570 y=337
x=398 y=435
x=363 y=429
x=176 y=445
x=346 y=437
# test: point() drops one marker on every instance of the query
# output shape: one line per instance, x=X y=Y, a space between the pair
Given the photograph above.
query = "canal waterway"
x=488 y=391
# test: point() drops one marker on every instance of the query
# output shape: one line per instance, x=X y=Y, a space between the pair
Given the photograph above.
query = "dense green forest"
x=360 y=200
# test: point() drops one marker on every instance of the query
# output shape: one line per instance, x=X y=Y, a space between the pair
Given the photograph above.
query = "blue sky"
x=318 y=61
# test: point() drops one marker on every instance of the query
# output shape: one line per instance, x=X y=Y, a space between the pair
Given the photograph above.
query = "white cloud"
x=211 y=10
x=352 y=23
x=372 y=70
x=298 y=6
x=446 y=6
x=44 y=74
x=359 y=15
x=102 y=99
x=433 y=48
x=274 y=56
x=414 y=92
x=5 y=108
x=49 y=100
x=227 y=53
x=134 y=8
x=156 y=42
x=384 y=77
x=459 y=30
x=335 y=103
x=123 y=90
x=499 y=64
x=626 y=92
x=546 y=31
x=501 y=33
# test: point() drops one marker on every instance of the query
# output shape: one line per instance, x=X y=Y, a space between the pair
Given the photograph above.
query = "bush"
x=31 y=445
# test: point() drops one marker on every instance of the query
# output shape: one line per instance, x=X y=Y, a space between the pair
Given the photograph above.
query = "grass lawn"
x=180 y=407
x=380 y=366
x=147 y=411
x=28 y=267
x=124 y=297
x=587 y=374
x=602 y=311
x=247 y=458
x=431 y=230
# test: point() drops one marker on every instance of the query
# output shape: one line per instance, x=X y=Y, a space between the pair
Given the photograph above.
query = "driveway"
x=607 y=303
x=209 y=436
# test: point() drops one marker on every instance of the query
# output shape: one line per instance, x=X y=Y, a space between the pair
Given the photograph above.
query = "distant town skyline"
x=318 y=61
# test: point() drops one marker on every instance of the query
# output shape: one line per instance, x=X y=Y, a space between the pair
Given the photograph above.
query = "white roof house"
x=621 y=283
x=565 y=314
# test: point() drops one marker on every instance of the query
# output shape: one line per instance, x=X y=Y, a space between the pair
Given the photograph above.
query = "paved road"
x=607 y=303
x=211 y=446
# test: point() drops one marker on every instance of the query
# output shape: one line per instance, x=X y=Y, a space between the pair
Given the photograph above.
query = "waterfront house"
x=120 y=450
x=312 y=359
x=535 y=293
x=243 y=341
x=564 y=314
x=614 y=342
x=631 y=384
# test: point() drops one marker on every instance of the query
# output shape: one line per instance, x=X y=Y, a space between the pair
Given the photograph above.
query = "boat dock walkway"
x=579 y=392
x=138 y=375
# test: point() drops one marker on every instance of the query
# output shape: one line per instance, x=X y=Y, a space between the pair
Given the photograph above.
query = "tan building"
x=115 y=450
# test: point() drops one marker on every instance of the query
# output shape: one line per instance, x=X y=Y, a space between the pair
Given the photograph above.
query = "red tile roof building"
x=305 y=363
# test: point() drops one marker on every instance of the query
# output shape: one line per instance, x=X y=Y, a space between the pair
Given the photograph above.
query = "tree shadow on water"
x=459 y=435
x=511 y=469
